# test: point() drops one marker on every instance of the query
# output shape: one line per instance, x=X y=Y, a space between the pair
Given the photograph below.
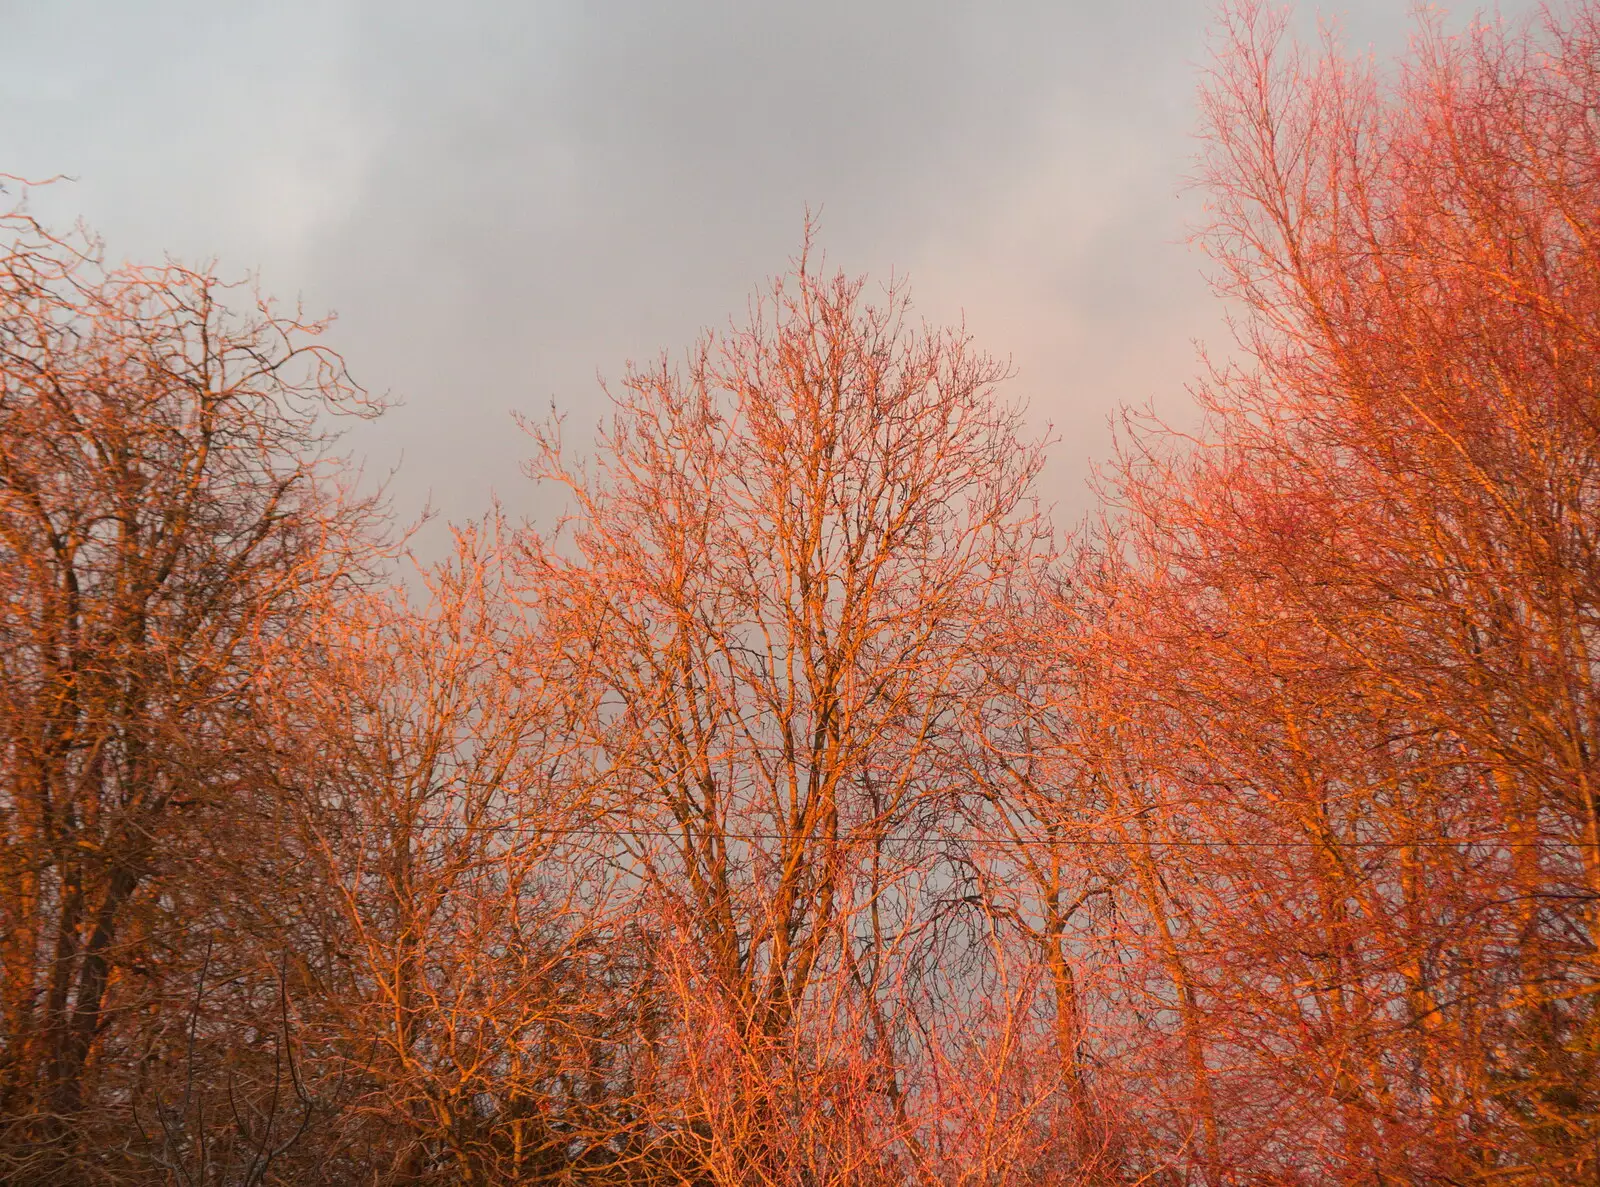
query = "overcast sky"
x=503 y=200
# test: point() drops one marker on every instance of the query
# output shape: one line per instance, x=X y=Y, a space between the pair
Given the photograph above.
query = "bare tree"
x=767 y=616
x=168 y=512
x=479 y=976
x=1347 y=644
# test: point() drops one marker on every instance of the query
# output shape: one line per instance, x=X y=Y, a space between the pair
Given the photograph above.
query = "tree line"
x=806 y=809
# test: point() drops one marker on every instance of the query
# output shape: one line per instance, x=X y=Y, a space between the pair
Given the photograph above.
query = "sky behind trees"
x=810 y=812
x=502 y=200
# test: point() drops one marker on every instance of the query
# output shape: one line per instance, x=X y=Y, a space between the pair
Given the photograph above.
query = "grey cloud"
x=503 y=198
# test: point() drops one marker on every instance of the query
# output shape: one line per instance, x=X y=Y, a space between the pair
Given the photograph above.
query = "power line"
x=1019 y=842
